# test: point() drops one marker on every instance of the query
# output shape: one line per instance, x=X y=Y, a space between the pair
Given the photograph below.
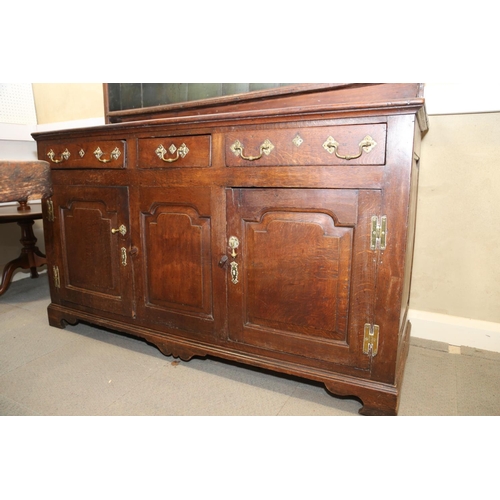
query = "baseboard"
x=454 y=330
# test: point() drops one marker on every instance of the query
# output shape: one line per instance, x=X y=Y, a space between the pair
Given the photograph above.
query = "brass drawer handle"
x=64 y=156
x=365 y=146
x=181 y=152
x=115 y=154
x=265 y=148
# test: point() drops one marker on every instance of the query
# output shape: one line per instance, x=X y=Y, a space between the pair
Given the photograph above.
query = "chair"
x=21 y=181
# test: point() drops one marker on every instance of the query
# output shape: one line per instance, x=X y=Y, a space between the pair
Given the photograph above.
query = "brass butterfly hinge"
x=50 y=211
x=370 y=339
x=379 y=233
x=57 y=279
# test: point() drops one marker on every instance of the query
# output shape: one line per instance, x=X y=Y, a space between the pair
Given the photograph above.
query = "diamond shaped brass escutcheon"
x=297 y=140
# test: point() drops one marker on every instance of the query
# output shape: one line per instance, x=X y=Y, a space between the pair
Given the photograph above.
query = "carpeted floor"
x=84 y=370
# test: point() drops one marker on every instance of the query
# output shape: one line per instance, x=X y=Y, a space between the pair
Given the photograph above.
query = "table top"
x=9 y=213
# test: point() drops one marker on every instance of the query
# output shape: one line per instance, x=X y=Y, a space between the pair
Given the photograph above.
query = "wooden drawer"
x=172 y=152
x=85 y=154
x=334 y=145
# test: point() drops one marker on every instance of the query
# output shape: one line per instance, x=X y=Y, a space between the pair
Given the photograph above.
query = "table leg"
x=31 y=257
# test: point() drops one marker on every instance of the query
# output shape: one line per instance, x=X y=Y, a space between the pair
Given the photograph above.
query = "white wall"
x=459 y=98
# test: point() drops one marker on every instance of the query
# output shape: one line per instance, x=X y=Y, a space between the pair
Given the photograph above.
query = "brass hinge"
x=379 y=233
x=57 y=279
x=50 y=211
x=370 y=339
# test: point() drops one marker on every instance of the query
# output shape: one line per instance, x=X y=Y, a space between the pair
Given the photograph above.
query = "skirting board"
x=454 y=330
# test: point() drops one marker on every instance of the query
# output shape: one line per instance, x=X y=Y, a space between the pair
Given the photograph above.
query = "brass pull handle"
x=115 y=154
x=265 y=148
x=365 y=146
x=122 y=230
x=233 y=243
x=64 y=156
x=181 y=152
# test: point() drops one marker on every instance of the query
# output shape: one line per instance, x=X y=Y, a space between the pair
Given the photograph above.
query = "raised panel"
x=92 y=262
x=177 y=249
x=305 y=291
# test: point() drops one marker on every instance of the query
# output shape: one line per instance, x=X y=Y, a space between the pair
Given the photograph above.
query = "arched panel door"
x=176 y=257
x=296 y=285
x=90 y=254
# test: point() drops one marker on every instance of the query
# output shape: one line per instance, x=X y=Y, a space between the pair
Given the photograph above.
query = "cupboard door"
x=175 y=226
x=92 y=247
x=302 y=278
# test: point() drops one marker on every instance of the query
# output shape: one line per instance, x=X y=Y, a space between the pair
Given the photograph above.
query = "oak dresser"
x=273 y=229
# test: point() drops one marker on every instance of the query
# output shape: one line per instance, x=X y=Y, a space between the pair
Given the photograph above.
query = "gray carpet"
x=84 y=370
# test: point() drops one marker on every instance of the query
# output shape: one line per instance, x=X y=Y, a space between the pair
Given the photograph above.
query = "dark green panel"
x=123 y=96
x=234 y=88
x=114 y=100
x=154 y=94
x=131 y=95
x=176 y=92
x=198 y=91
x=262 y=86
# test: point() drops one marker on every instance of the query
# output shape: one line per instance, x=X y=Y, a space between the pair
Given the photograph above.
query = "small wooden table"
x=31 y=257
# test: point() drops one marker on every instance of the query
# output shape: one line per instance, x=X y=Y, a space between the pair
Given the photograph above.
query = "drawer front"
x=334 y=145
x=86 y=154
x=174 y=152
